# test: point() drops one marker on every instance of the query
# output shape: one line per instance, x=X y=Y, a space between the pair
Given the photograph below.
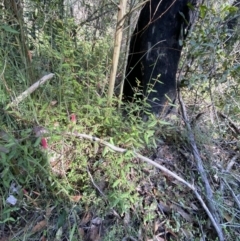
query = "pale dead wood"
x=212 y=212
x=95 y=185
x=137 y=7
x=143 y=158
x=129 y=238
x=103 y=195
x=162 y=168
x=117 y=47
x=211 y=215
x=232 y=162
x=231 y=123
x=233 y=194
x=127 y=46
x=30 y=90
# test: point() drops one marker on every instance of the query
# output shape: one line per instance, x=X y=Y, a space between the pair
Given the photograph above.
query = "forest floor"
x=165 y=209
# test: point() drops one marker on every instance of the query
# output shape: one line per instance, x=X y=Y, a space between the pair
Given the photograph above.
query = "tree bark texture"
x=155 y=50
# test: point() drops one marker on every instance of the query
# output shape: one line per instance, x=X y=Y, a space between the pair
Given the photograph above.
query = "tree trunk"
x=155 y=50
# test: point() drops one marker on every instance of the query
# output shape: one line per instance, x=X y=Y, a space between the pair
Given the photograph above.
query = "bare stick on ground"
x=30 y=90
x=162 y=168
x=202 y=172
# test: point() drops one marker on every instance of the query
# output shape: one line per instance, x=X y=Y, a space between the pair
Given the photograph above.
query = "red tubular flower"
x=73 y=118
x=44 y=143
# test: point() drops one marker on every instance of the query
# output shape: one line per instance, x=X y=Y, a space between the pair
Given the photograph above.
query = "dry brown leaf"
x=156 y=238
x=194 y=207
x=56 y=124
x=31 y=200
x=181 y=212
x=87 y=217
x=5 y=239
x=126 y=219
x=53 y=102
x=227 y=217
x=43 y=238
x=157 y=225
x=159 y=238
x=229 y=202
x=37 y=193
x=81 y=232
x=163 y=207
x=75 y=198
x=94 y=232
x=39 y=226
x=172 y=233
x=187 y=233
x=59 y=233
x=49 y=211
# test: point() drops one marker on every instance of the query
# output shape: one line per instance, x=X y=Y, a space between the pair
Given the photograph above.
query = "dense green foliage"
x=75 y=176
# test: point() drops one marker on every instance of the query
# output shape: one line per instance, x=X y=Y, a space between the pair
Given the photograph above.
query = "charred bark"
x=155 y=50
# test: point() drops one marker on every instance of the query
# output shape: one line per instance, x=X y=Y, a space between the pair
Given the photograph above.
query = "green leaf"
x=7 y=28
x=203 y=11
x=146 y=138
x=61 y=218
x=182 y=14
x=154 y=143
x=116 y=183
x=72 y=232
x=129 y=153
x=152 y=123
x=8 y=220
x=230 y=9
x=191 y=7
x=37 y=142
x=164 y=122
x=105 y=151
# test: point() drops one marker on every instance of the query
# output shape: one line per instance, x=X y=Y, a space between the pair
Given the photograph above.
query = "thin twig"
x=129 y=237
x=96 y=186
x=232 y=162
x=103 y=195
x=233 y=194
x=31 y=89
x=231 y=123
x=209 y=194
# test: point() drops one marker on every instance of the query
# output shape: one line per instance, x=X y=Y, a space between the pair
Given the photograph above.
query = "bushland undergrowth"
x=59 y=187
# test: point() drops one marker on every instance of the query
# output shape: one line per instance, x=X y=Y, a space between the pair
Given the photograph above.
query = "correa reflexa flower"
x=44 y=143
x=73 y=118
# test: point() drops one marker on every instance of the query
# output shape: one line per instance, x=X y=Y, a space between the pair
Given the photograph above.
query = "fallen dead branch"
x=30 y=90
x=231 y=123
x=233 y=194
x=232 y=162
x=143 y=158
x=213 y=214
x=162 y=168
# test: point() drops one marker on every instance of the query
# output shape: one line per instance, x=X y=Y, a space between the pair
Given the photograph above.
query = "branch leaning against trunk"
x=202 y=172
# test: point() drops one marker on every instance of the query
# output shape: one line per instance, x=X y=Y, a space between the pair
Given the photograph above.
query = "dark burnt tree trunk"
x=155 y=50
